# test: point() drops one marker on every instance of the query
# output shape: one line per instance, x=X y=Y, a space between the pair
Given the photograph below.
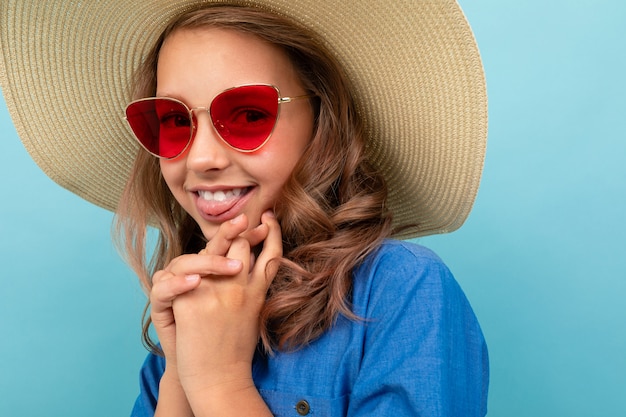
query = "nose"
x=206 y=151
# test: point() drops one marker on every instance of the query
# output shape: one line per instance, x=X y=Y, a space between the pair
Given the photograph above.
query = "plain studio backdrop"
x=541 y=258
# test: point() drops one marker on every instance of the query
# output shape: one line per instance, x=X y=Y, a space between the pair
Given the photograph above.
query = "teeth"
x=220 y=195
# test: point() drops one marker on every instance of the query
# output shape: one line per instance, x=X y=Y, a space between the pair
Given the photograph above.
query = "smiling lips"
x=218 y=203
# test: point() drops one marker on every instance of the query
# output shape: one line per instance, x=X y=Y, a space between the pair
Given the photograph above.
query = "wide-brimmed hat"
x=65 y=68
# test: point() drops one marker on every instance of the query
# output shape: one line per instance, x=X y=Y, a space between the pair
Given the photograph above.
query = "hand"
x=217 y=324
x=217 y=262
x=180 y=276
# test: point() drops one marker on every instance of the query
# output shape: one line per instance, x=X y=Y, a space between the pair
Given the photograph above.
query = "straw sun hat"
x=65 y=68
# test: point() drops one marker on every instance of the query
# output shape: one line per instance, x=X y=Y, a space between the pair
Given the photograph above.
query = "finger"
x=264 y=269
x=160 y=276
x=204 y=265
x=170 y=286
x=273 y=244
x=257 y=235
x=220 y=243
x=240 y=249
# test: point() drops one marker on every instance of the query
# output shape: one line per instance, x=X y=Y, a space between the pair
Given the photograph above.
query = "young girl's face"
x=211 y=181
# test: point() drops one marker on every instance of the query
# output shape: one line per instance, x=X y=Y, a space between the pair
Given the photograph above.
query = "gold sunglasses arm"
x=282 y=100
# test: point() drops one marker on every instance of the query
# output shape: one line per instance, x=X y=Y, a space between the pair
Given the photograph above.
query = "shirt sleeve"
x=425 y=354
x=149 y=378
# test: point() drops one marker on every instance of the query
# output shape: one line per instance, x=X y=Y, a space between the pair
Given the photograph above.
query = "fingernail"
x=237 y=219
x=270 y=213
x=234 y=263
x=192 y=277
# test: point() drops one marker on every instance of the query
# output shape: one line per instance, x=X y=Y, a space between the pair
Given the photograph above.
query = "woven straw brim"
x=65 y=70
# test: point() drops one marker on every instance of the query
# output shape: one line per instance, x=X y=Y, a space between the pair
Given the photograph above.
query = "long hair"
x=332 y=208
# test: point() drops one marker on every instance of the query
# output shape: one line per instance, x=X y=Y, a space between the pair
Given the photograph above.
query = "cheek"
x=167 y=175
x=285 y=153
x=173 y=179
x=271 y=177
x=280 y=166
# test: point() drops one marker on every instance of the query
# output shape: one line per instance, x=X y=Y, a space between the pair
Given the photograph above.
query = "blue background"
x=542 y=257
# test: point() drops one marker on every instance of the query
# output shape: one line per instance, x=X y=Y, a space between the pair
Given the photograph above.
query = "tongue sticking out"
x=219 y=202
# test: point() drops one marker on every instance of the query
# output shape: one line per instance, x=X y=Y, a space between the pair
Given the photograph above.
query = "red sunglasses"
x=243 y=117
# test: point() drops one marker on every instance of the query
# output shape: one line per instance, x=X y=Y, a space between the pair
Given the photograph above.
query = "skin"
x=205 y=306
x=195 y=66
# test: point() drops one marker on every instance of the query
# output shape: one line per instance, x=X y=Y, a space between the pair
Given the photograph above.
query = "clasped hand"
x=205 y=307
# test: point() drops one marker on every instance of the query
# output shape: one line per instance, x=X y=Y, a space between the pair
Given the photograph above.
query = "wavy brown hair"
x=332 y=209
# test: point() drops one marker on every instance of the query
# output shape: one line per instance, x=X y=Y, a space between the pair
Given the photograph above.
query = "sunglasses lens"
x=245 y=116
x=161 y=125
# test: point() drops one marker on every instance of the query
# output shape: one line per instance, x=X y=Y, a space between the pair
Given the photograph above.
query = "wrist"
x=234 y=397
x=170 y=379
x=221 y=379
x=172 y=398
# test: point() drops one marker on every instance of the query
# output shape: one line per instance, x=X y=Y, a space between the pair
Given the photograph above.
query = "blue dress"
x=418 y=352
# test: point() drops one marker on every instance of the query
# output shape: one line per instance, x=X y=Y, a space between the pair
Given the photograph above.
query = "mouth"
x=221 y=195
x=221 y=205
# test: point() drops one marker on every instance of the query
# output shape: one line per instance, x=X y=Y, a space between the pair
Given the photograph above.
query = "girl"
x=265 y=165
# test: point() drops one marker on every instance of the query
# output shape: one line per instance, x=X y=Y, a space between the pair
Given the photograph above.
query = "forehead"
x=207 y=57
